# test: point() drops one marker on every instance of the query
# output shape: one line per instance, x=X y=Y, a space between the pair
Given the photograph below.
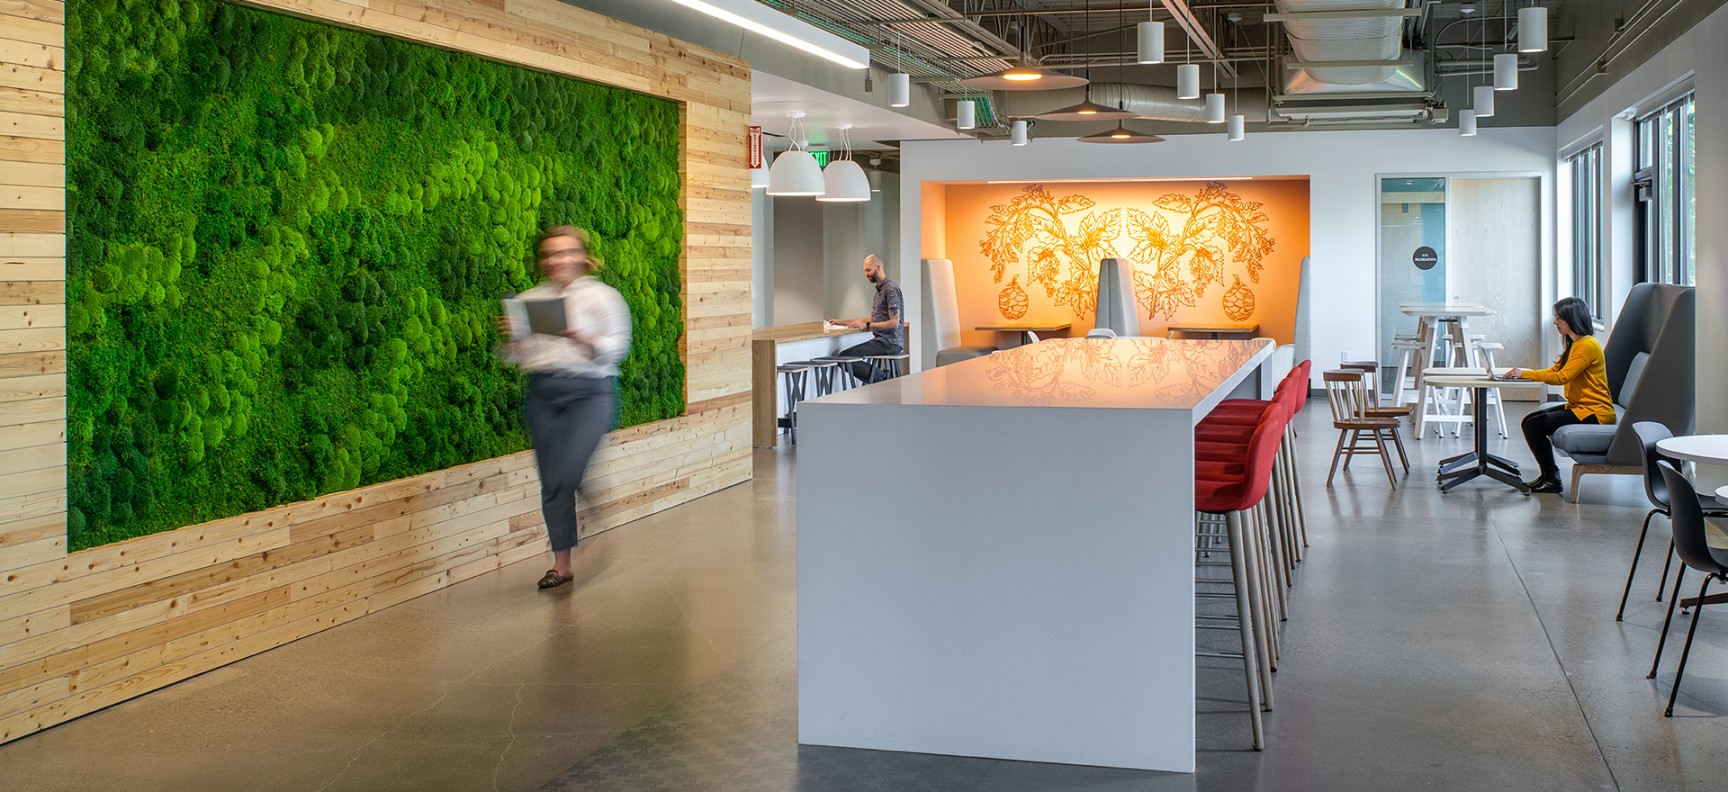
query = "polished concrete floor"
x=1462 y=641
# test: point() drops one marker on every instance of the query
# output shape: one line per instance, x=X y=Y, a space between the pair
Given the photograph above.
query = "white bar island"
x=995 y=558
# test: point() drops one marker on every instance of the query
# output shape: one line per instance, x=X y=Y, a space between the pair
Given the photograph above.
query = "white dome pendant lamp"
x=844 y=180
x=795 y=172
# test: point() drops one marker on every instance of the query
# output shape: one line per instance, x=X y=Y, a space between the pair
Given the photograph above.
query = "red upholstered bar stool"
x=1292 y=392
x=1219 y=437
x=1230 y=489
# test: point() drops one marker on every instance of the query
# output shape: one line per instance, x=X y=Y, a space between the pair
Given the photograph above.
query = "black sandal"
x=554 y=580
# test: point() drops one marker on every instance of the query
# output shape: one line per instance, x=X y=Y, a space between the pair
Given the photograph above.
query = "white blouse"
x=591 y=307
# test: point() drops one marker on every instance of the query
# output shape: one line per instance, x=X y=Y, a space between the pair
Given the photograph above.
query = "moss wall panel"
x=84 y=630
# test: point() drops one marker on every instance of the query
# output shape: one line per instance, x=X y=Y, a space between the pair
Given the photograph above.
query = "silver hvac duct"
x=1342 y=39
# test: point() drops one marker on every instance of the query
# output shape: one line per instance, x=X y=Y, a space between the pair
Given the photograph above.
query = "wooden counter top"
x=796 y=332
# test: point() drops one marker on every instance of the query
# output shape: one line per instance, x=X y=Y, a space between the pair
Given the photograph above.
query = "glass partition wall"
x=1413 y=257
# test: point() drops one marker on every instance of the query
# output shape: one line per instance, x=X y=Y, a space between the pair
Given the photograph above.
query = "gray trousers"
x=567 y=416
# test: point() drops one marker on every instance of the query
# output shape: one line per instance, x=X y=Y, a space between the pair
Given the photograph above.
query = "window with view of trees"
x=1588 y=281
x=1663 y=183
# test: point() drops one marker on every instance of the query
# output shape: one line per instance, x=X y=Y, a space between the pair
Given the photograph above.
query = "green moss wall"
x=286 y=244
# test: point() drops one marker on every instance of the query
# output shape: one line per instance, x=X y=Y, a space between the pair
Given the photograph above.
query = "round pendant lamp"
x=1121 y=134
x=1214 y=108
x=1018 y=132
x=1237 y=128
x=1151 y=49
x=1467 y=123
x=965 y=114
x=795 y=172
x=1188 y=81
x=1506 y=72
x=1484 y=101
x=843 y=181
x=899 y=89
x=1533 y=29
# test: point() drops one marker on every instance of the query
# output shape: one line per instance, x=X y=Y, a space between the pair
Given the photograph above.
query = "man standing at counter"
x=884 y=321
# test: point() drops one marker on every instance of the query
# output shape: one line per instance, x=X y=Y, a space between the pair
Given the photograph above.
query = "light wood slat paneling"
x=19 y=268
x=43 y=220
x=20 y=100
x=30 y=125
x=32 y=78
x=33 y=31
x=15 y=244
x=29 y=53
x=80 y=632
x=35 y=339
x=35 y=174
x=35 y=10
x=18 y=317
x=20 y=460
x=32 y=293
x=30 y=363
x=24 y=149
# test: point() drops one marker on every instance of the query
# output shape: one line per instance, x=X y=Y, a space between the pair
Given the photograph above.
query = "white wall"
x=1342 y=168
x=808 y=257
x=1698 y=60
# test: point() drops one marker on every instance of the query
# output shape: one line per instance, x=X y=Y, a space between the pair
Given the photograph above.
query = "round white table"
x=1703 y=449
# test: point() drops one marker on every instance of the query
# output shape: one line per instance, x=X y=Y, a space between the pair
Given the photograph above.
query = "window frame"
x=1589 y=276
x=1664 y=186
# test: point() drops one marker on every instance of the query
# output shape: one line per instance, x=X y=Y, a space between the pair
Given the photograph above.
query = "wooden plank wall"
x=82 y=631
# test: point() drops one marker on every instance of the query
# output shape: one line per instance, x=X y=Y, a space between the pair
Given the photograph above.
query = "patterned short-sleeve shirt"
x=889 y=303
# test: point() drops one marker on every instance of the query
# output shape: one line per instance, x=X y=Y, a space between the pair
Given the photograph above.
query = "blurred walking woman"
x=1584 y=377
x=571 y=382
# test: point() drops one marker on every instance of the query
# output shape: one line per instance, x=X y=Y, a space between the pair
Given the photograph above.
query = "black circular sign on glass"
x=1425 y=258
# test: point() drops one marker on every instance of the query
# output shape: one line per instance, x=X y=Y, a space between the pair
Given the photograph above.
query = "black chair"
x=1649 y=434
x=1694 y=549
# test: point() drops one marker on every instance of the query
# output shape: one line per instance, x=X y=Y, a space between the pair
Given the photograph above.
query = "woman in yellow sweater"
x=1584 y=376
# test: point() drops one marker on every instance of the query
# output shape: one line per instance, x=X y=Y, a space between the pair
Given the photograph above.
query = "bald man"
x=884 y=321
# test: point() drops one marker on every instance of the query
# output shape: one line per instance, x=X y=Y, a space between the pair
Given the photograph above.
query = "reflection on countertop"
x=1144 y=373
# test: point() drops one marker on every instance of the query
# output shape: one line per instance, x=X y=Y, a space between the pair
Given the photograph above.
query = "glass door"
x=1413 y=257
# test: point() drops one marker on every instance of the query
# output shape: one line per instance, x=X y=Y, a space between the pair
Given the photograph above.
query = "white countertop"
x=1100 y=373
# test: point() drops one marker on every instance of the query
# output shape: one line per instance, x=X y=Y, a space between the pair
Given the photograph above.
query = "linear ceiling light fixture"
x=784 y=28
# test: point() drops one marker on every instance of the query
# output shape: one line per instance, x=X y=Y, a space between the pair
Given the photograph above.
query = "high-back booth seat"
x=1649 y=356
x=943 y=315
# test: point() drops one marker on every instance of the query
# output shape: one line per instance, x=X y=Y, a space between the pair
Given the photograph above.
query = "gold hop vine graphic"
x=1173 y=266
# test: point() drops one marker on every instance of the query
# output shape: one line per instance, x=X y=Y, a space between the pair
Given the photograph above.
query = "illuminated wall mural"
x=1211 y=252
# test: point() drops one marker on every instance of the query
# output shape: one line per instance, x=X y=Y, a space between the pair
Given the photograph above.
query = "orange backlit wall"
x=1203 y=252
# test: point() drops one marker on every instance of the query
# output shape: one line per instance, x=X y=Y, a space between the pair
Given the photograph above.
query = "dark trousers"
x=862 y=370
x=567 y=416
x=1539 y=429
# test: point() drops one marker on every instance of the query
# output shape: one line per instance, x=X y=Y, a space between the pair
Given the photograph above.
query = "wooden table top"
x=1022 y=328
x=1249 y=329
x=780 y=334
